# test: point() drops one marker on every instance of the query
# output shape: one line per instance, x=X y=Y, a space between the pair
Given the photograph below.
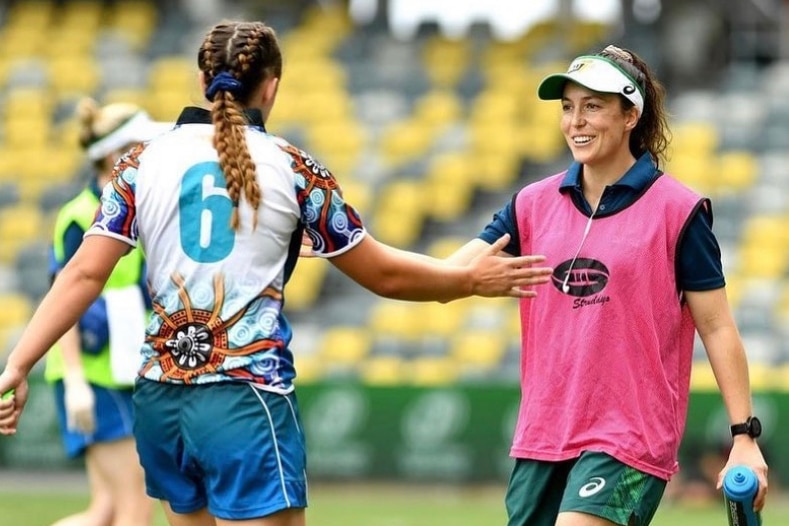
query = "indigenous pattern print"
x=117 y=213
x=192 y=342
x=330 y=221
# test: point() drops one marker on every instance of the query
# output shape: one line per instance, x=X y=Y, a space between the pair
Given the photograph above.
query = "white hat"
x=596 y=73
x=137 y=128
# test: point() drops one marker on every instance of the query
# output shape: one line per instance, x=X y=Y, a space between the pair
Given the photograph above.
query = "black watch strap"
x=751 y=427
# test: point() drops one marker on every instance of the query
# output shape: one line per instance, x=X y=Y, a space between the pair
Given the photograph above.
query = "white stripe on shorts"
x=276 y=446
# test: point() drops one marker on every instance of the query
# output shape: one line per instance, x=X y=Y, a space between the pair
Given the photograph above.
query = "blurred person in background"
x=93 y=366
x=607 y=350
x=219 y=207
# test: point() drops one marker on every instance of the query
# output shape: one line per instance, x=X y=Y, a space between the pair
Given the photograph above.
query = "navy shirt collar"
x=94 y=187
x=195 y=115
x=637 y=177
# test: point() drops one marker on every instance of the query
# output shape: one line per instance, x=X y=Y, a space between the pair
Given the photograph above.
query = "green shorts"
x=594 y=483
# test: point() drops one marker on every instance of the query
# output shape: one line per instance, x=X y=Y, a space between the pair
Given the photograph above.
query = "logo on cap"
x=629 y=89
x=578 y=64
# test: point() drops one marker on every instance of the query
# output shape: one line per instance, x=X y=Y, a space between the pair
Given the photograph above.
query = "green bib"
x=81 y=210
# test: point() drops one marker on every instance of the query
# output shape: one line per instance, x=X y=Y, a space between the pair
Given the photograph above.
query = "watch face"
x=755 y=426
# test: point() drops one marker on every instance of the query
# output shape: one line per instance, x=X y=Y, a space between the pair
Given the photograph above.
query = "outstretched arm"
x=718 y=332
x=414 y=277
x=76 y=287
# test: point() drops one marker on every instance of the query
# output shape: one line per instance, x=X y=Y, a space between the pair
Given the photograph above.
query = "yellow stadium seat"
x=74 y=75
x=16 y=308
x=441 y=320
x=737 y=170
x=764 y=377
x=344 y=345
x=438 y=108
x=763 y=262
x=445 y=246
x=33 y=15
x=394 y=318
x=382 y=370
x=449 y=201
x=22 y=133
x=173 y=73
x=477 y=349
x=28 y=103
x=399 y=214
x=432 y=371
x=696 y=169
x=316 y=74
x=696 y=138
x=134 y=19
x=445 y=60
x=165 y=106
x=395 y=228
x=357 y=194
x=84 y=14
x=405 y=141
x=496 y=171
x=306 y=283
x=702 y=378
x=493 y=106
x=309 y=369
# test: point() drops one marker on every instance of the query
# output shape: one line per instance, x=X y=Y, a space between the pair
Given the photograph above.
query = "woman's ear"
x=201 y=80
x=270 y=88
x=631 y=118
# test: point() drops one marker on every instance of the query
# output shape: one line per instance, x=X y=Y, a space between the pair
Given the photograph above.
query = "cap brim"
x=552 y=86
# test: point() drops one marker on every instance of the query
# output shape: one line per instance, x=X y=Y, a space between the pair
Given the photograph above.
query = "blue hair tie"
x=224 y=81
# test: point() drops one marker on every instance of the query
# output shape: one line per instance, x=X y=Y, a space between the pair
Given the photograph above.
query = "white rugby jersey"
x=218 y=293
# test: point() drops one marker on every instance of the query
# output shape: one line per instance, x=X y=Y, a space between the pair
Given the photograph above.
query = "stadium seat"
x=702 y=378
x=19 y=224
x=17 y=310
x=445 y=60
x=737 y=171
x=441 y=320
x=306 y=283
x=309 y=369
x=437 y=109
x=399 y=213
x=432 y=371
x=134 y=19
x=394 y=318
x=344 y=346
x=405 y=141
x=383 y=370
x=479 y=350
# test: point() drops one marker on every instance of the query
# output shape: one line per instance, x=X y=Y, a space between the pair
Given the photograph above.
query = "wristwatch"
x=751 y=427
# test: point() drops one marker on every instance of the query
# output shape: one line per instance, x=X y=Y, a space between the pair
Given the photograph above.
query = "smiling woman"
x=607 y=347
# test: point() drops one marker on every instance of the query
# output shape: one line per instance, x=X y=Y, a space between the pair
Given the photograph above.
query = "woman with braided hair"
x=219 y=207
x=607 y=349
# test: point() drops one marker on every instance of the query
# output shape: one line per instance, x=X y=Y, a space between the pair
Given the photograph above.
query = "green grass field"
x=381 y=505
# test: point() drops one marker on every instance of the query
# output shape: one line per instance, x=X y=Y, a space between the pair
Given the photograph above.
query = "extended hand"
x=496 y=275
x=11 y=406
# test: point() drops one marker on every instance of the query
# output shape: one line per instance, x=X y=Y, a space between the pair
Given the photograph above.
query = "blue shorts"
x=231 y=447
x=114 y=418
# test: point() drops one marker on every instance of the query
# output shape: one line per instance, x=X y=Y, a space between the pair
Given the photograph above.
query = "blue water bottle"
x=740 y=485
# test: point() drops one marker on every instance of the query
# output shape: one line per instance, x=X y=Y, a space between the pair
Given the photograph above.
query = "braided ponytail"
x=235 y=58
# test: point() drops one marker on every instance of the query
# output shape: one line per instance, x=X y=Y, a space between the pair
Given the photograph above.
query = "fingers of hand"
x=499 y=244
x=525 y=261
x=9 y=416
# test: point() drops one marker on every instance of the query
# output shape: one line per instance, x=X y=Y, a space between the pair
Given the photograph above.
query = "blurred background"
x=426 y=112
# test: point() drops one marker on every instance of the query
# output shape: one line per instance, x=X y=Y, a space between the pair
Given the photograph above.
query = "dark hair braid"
x=249 y=52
